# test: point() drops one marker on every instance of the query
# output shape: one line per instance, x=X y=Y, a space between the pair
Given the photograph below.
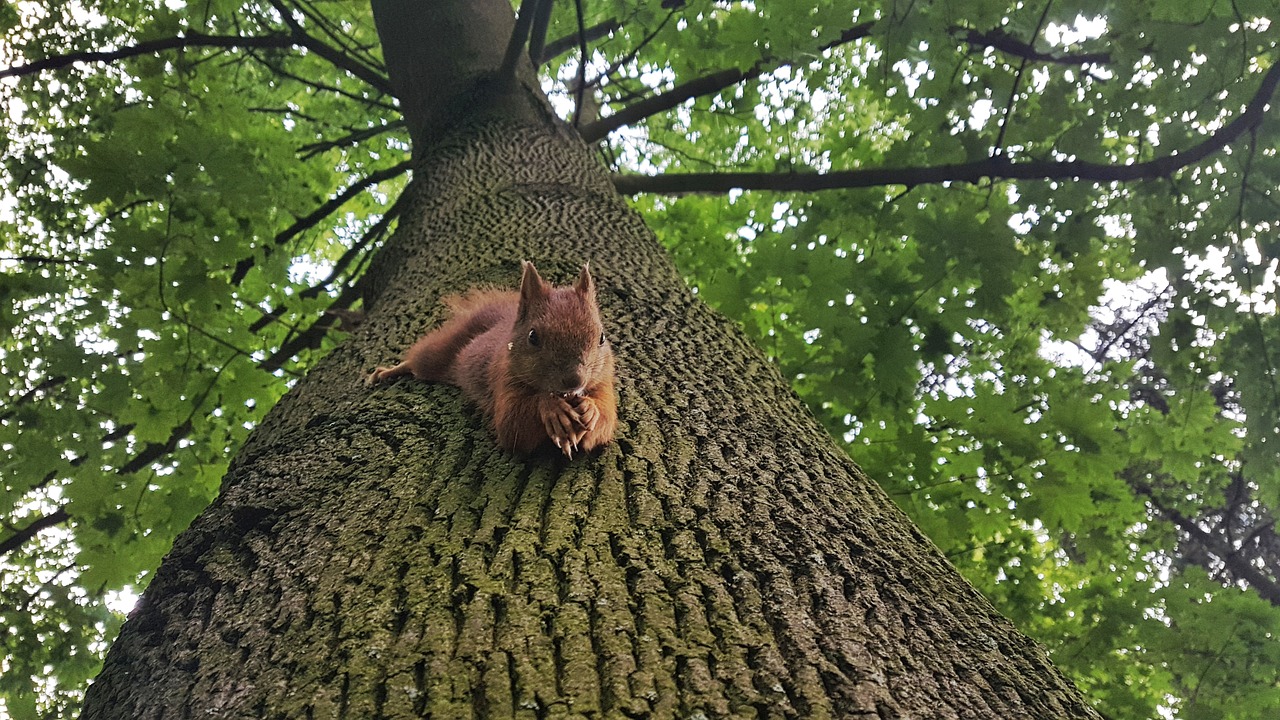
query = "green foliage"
x=1070 y=386
x=935 y=328
x=154 y=261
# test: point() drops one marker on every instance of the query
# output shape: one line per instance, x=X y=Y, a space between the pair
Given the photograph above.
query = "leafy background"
x=1070 y=385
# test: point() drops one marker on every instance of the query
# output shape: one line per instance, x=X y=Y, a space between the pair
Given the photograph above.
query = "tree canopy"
x=1020 y=258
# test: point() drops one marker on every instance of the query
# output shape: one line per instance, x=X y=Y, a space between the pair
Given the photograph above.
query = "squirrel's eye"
x=533 y=338
x=602 y=338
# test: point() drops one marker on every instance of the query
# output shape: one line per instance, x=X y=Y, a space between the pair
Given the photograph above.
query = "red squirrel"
x=537 y=362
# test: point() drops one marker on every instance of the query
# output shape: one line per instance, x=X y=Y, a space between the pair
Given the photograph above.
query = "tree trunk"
x=373 y=554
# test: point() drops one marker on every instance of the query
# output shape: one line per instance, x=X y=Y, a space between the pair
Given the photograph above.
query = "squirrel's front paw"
x=588 y=417
x=561 y=420
x=588 y=414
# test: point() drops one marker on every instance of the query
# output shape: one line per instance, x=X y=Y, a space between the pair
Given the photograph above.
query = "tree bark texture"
x=373 y=554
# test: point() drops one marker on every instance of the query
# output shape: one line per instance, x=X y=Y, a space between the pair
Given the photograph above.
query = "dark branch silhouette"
x=311 y=338
x=999 y=167
x=351 y=139
x=44 y=260
x=1239 y=566
x=563 y=45
x=154 y=451
x=717 y=81
x=198 y=40
x=338 y=58
x=357 y=250
x=329 y=207
x=519 y=39
x=19 y=538
x=1010 y=45
x=706 y=85
x=276 y=68
x=538 y=33
x=340 y=38
x=149 y=454
x=1215 y=543
x=146 y=47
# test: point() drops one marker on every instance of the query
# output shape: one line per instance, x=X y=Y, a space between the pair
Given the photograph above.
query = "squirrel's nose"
x=572 y=383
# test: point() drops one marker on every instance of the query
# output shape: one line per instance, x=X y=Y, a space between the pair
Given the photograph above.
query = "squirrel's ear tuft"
x=585 y=286
x=533 y=289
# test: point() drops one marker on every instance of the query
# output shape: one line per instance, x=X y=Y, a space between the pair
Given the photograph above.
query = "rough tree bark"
x=372 y=553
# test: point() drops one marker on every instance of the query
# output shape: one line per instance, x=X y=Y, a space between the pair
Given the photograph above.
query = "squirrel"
x=536 y=361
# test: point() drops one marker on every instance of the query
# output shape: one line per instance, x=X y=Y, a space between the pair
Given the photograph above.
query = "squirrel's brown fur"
x=536 y=361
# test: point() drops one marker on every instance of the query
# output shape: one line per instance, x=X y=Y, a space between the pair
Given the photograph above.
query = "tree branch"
x=706 y=85
x=43 y=260
x=570 y=41
x=335 y=57
x=154 y=451
x=1240 y=567
x=19 y=538
x=373 y=234
x=195 y=40
x=998 y=149
x=313 y=218
x=997 y=168
x=618 y=63
x=146 y=47
x=1217 y=544
x=148 y=455
x=582 y=65
x=281 y=72
x=662 y=102
x=519 y=37
x=349 y=140
x=1009 y=45
x=538 y=33
x=340 y=38
x=314 y=334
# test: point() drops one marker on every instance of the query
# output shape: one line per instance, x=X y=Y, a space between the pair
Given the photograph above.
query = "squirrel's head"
x=559 y=344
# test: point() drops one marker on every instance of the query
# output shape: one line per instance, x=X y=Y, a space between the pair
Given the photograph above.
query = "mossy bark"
x=373 y=554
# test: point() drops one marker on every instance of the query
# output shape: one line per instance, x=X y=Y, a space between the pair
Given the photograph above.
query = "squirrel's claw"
x=560 y=419
x=565 y=445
